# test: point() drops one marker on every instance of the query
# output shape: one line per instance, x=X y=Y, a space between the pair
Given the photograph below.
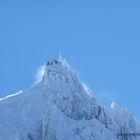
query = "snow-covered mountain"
x=60 y=107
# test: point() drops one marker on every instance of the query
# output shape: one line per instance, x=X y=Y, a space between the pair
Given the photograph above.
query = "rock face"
x=60 y=107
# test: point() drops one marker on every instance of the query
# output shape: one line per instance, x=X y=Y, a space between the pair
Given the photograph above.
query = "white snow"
x=40 y=73
x=60 y=107
x=11 y=95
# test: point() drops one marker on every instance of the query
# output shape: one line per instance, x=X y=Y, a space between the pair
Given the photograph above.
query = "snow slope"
x=60 y=107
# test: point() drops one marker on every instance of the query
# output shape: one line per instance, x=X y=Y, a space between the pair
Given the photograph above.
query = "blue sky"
x=100 y=39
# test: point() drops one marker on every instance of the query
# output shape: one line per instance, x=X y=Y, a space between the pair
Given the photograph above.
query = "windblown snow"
x=60 y=107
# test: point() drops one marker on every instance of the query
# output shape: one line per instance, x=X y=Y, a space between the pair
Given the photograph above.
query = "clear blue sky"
x=100 y=39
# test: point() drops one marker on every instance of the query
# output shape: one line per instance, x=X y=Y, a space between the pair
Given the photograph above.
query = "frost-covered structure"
x=60 y=107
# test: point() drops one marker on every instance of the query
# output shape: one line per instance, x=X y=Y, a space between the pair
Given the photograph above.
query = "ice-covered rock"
x=60 y=107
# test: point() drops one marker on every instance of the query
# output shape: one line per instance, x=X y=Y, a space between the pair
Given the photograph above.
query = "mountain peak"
x=60 y=107
x=59 y=74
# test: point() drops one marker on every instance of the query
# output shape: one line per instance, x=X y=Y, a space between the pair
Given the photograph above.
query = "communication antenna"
x=60 y=55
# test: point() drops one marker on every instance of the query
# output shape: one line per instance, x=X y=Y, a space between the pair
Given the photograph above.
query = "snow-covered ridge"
x=11 y=95
x=60 y=107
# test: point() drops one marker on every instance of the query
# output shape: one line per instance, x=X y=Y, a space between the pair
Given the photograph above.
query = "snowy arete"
x=60 y=107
